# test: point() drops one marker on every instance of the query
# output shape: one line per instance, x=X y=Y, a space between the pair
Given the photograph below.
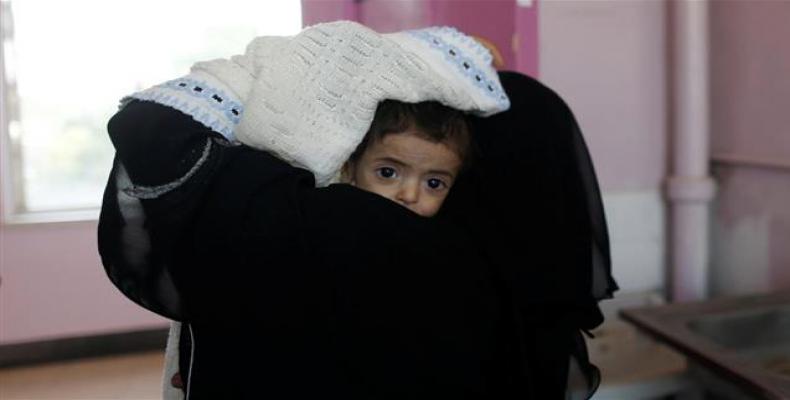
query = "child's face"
x=409 y=170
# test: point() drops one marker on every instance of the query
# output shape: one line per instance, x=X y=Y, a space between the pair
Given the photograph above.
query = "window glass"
x=68 y=63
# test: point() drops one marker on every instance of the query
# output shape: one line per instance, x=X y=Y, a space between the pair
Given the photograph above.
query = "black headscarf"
x=532 y=199
x=533 y=203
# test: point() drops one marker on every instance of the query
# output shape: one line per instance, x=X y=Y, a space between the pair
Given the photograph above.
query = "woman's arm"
x=165 y=167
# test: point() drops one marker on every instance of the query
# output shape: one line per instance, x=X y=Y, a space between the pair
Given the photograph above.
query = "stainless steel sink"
x=740 y=343
x=760 y=337
x=746 y=330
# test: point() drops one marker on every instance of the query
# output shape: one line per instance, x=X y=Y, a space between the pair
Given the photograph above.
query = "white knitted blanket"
x=310 y=98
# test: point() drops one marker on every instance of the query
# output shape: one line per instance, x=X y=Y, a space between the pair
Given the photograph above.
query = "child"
x=412 y=154
x=322 y=291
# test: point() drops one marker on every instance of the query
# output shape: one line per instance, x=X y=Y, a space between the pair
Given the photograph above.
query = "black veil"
x=532 y=200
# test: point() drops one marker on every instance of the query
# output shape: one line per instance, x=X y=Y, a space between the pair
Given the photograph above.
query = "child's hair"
x=433 y=121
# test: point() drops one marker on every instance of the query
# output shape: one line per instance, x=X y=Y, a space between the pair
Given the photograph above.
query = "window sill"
x=51 y=217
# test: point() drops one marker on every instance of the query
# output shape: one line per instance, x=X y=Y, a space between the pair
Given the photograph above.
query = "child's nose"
x=409 y=192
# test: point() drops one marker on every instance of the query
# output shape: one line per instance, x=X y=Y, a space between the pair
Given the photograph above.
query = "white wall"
x=607 y=60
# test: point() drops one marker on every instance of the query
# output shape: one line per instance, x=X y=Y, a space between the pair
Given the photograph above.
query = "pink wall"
x=315 y=11
x=53 y=285
x=751 y=79
x=750 y=99
x=390 y=16
x=498 y=21
x=607 y=59
x=526 y=37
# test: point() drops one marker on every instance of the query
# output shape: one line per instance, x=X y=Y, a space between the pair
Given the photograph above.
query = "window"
x=66 y=64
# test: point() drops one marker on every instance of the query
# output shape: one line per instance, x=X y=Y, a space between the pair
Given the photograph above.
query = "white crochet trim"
x=201 y=96
x=464 y=56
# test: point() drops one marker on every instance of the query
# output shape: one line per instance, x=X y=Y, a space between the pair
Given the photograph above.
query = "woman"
x=289 y=290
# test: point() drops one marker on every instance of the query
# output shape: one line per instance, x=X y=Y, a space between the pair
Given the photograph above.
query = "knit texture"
x=310 y=98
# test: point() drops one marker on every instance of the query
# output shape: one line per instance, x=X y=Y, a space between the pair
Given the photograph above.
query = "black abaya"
x=339 y=292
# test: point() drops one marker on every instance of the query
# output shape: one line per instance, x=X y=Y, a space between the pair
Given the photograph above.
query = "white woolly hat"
x=310 y=98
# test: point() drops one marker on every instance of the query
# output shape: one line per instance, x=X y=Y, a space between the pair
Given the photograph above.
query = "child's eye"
x=436 y=184
x=386 y=172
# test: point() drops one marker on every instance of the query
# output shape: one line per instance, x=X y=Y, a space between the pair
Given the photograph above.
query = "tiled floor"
x=136 y=376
